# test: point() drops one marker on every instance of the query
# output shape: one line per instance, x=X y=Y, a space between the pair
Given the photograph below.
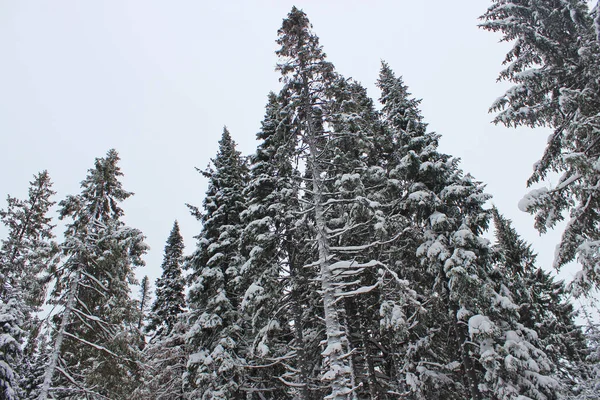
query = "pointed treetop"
x=397 y=101
x=101 y=192
x=300 y=51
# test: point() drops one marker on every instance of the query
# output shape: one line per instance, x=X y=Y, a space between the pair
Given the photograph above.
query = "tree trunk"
x=66 y=319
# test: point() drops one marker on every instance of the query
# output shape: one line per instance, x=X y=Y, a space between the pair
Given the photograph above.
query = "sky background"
x=158 y=80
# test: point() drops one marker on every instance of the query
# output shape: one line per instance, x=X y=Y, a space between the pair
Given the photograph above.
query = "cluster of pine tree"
x=345 y=259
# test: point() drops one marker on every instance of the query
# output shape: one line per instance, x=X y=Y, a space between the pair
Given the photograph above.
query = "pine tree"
x=307 y=76
x=456 y=280
x=275 y=286
x=164 y=356
x=554 y=64
x=145 y=299
x=34 y=366
x=26 y=257
x=28 y=251
x=96 y=345
x=543 y=303
x=215 y=365
x=170 y=299
x=11 y=336
x=345 y=149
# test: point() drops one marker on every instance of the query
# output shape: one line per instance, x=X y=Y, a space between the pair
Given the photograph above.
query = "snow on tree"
x=28 y=251
x=346 y=152
x=554 y=64
x=164 y=363
x=170 y=299
x=589 y=388
x=34 y=366
x=26 y=257
x=95 y=347
x=277 y=296
x=215 y=365
x=596 y=13
x=447 y=208
x=144 y=302
x=164 y=356
x=11 y=336
x=543 y=303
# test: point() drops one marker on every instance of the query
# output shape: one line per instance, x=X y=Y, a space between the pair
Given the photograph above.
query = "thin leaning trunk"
x=66 y=319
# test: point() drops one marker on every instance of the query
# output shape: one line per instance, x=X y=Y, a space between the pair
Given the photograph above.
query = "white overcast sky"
x=157 y=80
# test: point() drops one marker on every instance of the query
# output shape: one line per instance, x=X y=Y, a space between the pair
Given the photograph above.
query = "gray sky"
x=157 y=80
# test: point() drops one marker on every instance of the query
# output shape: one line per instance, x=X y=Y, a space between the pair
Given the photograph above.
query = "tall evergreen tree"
x=446 y=207
x=215 y=367
x=26 y=257
x=308 y=77
x=543 y=304
x=554 y=64
x=11 y=336
x=170 y=299
x=96 y=344
x=28 y=251
x=275 y=305
x=145 y=299
x=164 y=356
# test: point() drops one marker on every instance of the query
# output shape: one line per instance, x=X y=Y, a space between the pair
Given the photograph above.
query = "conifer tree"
x=446 y=207
x=28 y=251
x=543 y=304
x=26 y=257
x=275 y=286
x=96 y=344
x=170 y=299
x=145 y=299
x=554 y=64
x=164 y=356
x=11 y=336
x=215 y=365
x=308 y=76
x=34 y=366
x=344 y=148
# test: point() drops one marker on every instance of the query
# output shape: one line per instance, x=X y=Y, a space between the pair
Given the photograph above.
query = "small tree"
x=170 y=299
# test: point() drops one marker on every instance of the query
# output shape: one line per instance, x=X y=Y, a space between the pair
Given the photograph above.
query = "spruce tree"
x=446 y=207
x=28 y=251
x=96 y=344
x=343 y=145
x=144 y=302
x=26 y=257
x=543 y=303
x=170 y=299
x=554 y=64
x=215 y=365
x=164 y=356
x=276 y=289
x=11 y=338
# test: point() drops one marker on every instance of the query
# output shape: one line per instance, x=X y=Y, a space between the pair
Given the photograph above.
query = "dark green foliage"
x=26 y=257
x=170 y=299
x=543 y=303
x=100 y=343
x=555 y=64
x=164 y=356
x=214 y=334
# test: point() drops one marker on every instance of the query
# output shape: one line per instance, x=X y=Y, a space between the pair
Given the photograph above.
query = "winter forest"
x=346 y=258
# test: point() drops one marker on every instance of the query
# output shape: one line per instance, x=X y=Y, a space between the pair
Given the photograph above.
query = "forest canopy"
x=347 y=257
